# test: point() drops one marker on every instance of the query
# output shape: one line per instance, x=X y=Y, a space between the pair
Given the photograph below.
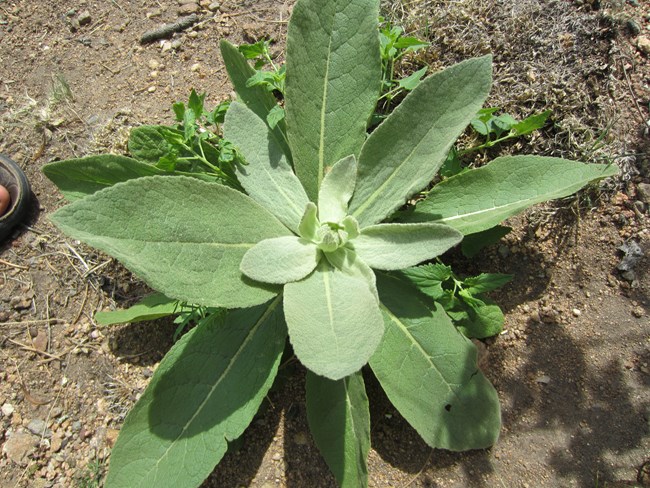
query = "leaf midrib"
x=321 y=141
x=402 y=327
x=249 y=337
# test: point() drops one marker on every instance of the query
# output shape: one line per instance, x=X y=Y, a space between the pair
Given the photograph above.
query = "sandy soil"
x=572 y=367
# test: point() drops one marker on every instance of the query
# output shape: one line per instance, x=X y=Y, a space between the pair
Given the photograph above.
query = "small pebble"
x=544 y=379
x=576 y=312
x=195 y=67
x=84 y=18
x=7 y=409
x=188 y=8
x=153 y=64
x=76 y=426
x=214 y=6
x=151 y=89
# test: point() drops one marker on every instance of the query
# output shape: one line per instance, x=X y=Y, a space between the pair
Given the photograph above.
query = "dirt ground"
x=572 y=366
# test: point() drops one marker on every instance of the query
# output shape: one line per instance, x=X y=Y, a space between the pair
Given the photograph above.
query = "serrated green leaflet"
x=267 y=177
x=191 y=250
x=204 y=393
x=333 y=320
x=256 y=98
x=333 y=72
x=428 y=370
x=336 y=190
x=404 y=153
x=280 y=260
x=480 y=199
x=339 y=420
x=397 y=246
x=151 y=307
x=77 y=178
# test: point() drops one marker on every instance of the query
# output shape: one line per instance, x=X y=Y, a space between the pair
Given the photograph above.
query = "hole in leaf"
x=448 y=407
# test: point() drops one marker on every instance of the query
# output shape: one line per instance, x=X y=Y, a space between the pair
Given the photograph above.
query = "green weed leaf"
x=428 y=278
x=397 y=246
x=334 y=321
x=267 y=176
x=77 y=178
x=482 y=198
x=413 y=80
x=531 y=124
x=190 y=251
x=151 y=307
x=404 y=153
x=333 y=73
x=429 y=372
x=280 y=260
x=339 y=421
x=148 y=144
x=257 y=98
x=485 y=282
x=204 y=393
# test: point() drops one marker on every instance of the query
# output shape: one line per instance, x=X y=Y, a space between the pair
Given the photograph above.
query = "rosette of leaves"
x=305 y=253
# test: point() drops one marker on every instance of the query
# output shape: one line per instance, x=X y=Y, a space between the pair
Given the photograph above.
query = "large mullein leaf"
x=203 y=395
x=267 y=177
x=280 y=260
x=333 y=73
x=257 y=98
x=184 y=237
x=429 y=371
x=78 y=178
x=404 y=153
x=347 y=261
x=336 y=190
x=398 y=246
x=339 y=421
x=482 y=198
x=333 y=320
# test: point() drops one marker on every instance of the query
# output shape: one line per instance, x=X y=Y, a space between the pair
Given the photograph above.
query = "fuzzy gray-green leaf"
x=404 y=153
x=78 y=178
x=336 y=190
x=184 y=237
x=280 y=260
x=267 y=177
x=429 y=371
x=339 y=421
x=482 y=198
x=333 y=73
x=204 y=393
x=333 y=320
x=397 y=246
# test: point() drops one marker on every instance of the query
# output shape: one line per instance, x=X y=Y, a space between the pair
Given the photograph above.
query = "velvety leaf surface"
x=482 y=198
x=336 y=190
x=429 y=372
x=339 y=421
x=347 y=261
x=333 y=73
x=397 y=246
x=204 y=393
x=280 y=260
x=184 y=237
x=333 y=320
x=256 y=98
x=268 y=177
x=404 y=153
x=151 y=307
x=77 y=178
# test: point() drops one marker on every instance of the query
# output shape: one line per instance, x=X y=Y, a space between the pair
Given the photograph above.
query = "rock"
x=76 y=426
x=111 y=436
x=154 y=64
x=543 y=379
x=638 y=312
x=214 y=6
x=19 y=446
x=643 y=192
x=39 y=427
x=576 y=312
x=188 y=9
x=7 y=409
x=643 y=43
x=633 y=26
x=84 y=18
x=56 y=412
x=640 y=206
x=195 y=67
x=628 y=275
x=301 y=439
x=21 y=302
x=56 y=444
